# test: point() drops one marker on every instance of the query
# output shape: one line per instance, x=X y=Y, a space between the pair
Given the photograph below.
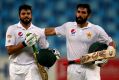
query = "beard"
x=26 y=21
x=80 y=20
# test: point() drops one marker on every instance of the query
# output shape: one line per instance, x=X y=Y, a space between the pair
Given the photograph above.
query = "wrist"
x=24 y=44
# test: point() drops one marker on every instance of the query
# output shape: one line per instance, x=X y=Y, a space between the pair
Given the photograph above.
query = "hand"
x=111 y=49
x=103 y=61
x=100 y=63
x=57 y=53
x=30 y=40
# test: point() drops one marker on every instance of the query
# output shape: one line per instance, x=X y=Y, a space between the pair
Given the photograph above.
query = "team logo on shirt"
x=89 y=35
x=20 y=33
x=73 y=31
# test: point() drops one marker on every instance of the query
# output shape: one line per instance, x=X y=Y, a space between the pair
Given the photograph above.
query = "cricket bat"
x=41 y=68
x=90 y=57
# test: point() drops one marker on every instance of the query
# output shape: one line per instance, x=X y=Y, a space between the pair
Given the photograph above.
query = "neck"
x=26 y=26
x=83 y=25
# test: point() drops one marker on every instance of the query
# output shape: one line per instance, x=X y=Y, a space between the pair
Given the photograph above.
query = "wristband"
x=24 y=44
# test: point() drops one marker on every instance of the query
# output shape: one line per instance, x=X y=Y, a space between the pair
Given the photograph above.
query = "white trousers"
x=24 y=72
x=80 y=72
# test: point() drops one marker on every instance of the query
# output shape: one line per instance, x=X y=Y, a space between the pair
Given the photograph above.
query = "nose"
x=79 y=14
x=26 y=15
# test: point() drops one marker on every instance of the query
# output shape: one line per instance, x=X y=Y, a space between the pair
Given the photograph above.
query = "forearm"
x=50 y=31
x=30 y=40
x=14 y=48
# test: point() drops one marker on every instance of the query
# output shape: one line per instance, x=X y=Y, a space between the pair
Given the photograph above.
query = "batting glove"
x=57 y=53
x=111 y=49
x=30 y=40
x=101 y=62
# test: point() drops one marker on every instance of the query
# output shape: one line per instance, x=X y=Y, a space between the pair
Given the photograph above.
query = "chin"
x=79 y=22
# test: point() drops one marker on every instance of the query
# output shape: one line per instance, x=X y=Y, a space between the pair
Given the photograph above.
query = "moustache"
x=26 y=18
x=79 y=18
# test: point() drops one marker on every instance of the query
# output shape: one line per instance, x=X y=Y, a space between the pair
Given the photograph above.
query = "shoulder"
x=96 y=27
x=70 y=23
x=38 y=30
x=12 y=27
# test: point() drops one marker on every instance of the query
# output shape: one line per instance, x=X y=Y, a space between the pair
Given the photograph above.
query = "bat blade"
x=104 y=54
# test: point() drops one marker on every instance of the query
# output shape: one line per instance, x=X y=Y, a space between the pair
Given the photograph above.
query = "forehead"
x=25 y=10
x=82 y=9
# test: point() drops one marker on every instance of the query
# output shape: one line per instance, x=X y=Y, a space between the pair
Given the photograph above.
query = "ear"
x=89 y=15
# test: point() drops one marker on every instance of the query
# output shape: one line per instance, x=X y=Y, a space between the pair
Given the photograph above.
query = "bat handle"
x=42 y=71
x=34 y=48
x=35 y=53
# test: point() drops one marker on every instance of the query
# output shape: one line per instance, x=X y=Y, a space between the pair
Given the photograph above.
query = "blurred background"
x=54 y=13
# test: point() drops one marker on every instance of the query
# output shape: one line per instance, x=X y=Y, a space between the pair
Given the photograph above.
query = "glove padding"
x=47 y=57
x=30 y=40
x=56 y=53
x=98 y=47
x=100 y=62
x=111 y=49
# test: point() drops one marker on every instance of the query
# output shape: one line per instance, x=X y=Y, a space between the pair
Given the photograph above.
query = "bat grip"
x=35 y=52
x=34 y=48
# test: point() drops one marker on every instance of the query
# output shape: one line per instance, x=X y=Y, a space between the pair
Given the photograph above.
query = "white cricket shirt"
x=15 y=34
x=78 y=40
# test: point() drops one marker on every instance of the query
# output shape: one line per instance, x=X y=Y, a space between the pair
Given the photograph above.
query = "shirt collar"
x=88 y=26
x=20 y=26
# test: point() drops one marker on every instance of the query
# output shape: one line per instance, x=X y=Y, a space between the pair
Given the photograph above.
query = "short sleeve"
x=10 y=37
x=43 y=43
x=61 y=30
x=103 y=36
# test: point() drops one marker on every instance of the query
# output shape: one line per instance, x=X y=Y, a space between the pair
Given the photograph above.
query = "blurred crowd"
x=56 y=12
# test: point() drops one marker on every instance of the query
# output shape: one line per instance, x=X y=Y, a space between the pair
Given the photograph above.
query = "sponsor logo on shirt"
x=73 y=31
x=20 y=34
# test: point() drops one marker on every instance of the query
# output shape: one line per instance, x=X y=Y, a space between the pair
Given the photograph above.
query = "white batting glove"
x=111 y=49
x=57 y=53
x=30 y=40
x=103 y=61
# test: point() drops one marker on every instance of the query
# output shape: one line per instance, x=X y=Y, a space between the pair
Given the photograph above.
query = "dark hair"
x=26 y=7
x=87 y=6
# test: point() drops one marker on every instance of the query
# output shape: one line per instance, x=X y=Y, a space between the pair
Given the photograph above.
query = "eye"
x=22 y=13
x=78 y=11
x=83 y=12
x=28 y=13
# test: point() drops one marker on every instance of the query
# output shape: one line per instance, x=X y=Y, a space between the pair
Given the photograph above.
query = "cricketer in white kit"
x=22 y=63
x=78 y=41
x=79 y=37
